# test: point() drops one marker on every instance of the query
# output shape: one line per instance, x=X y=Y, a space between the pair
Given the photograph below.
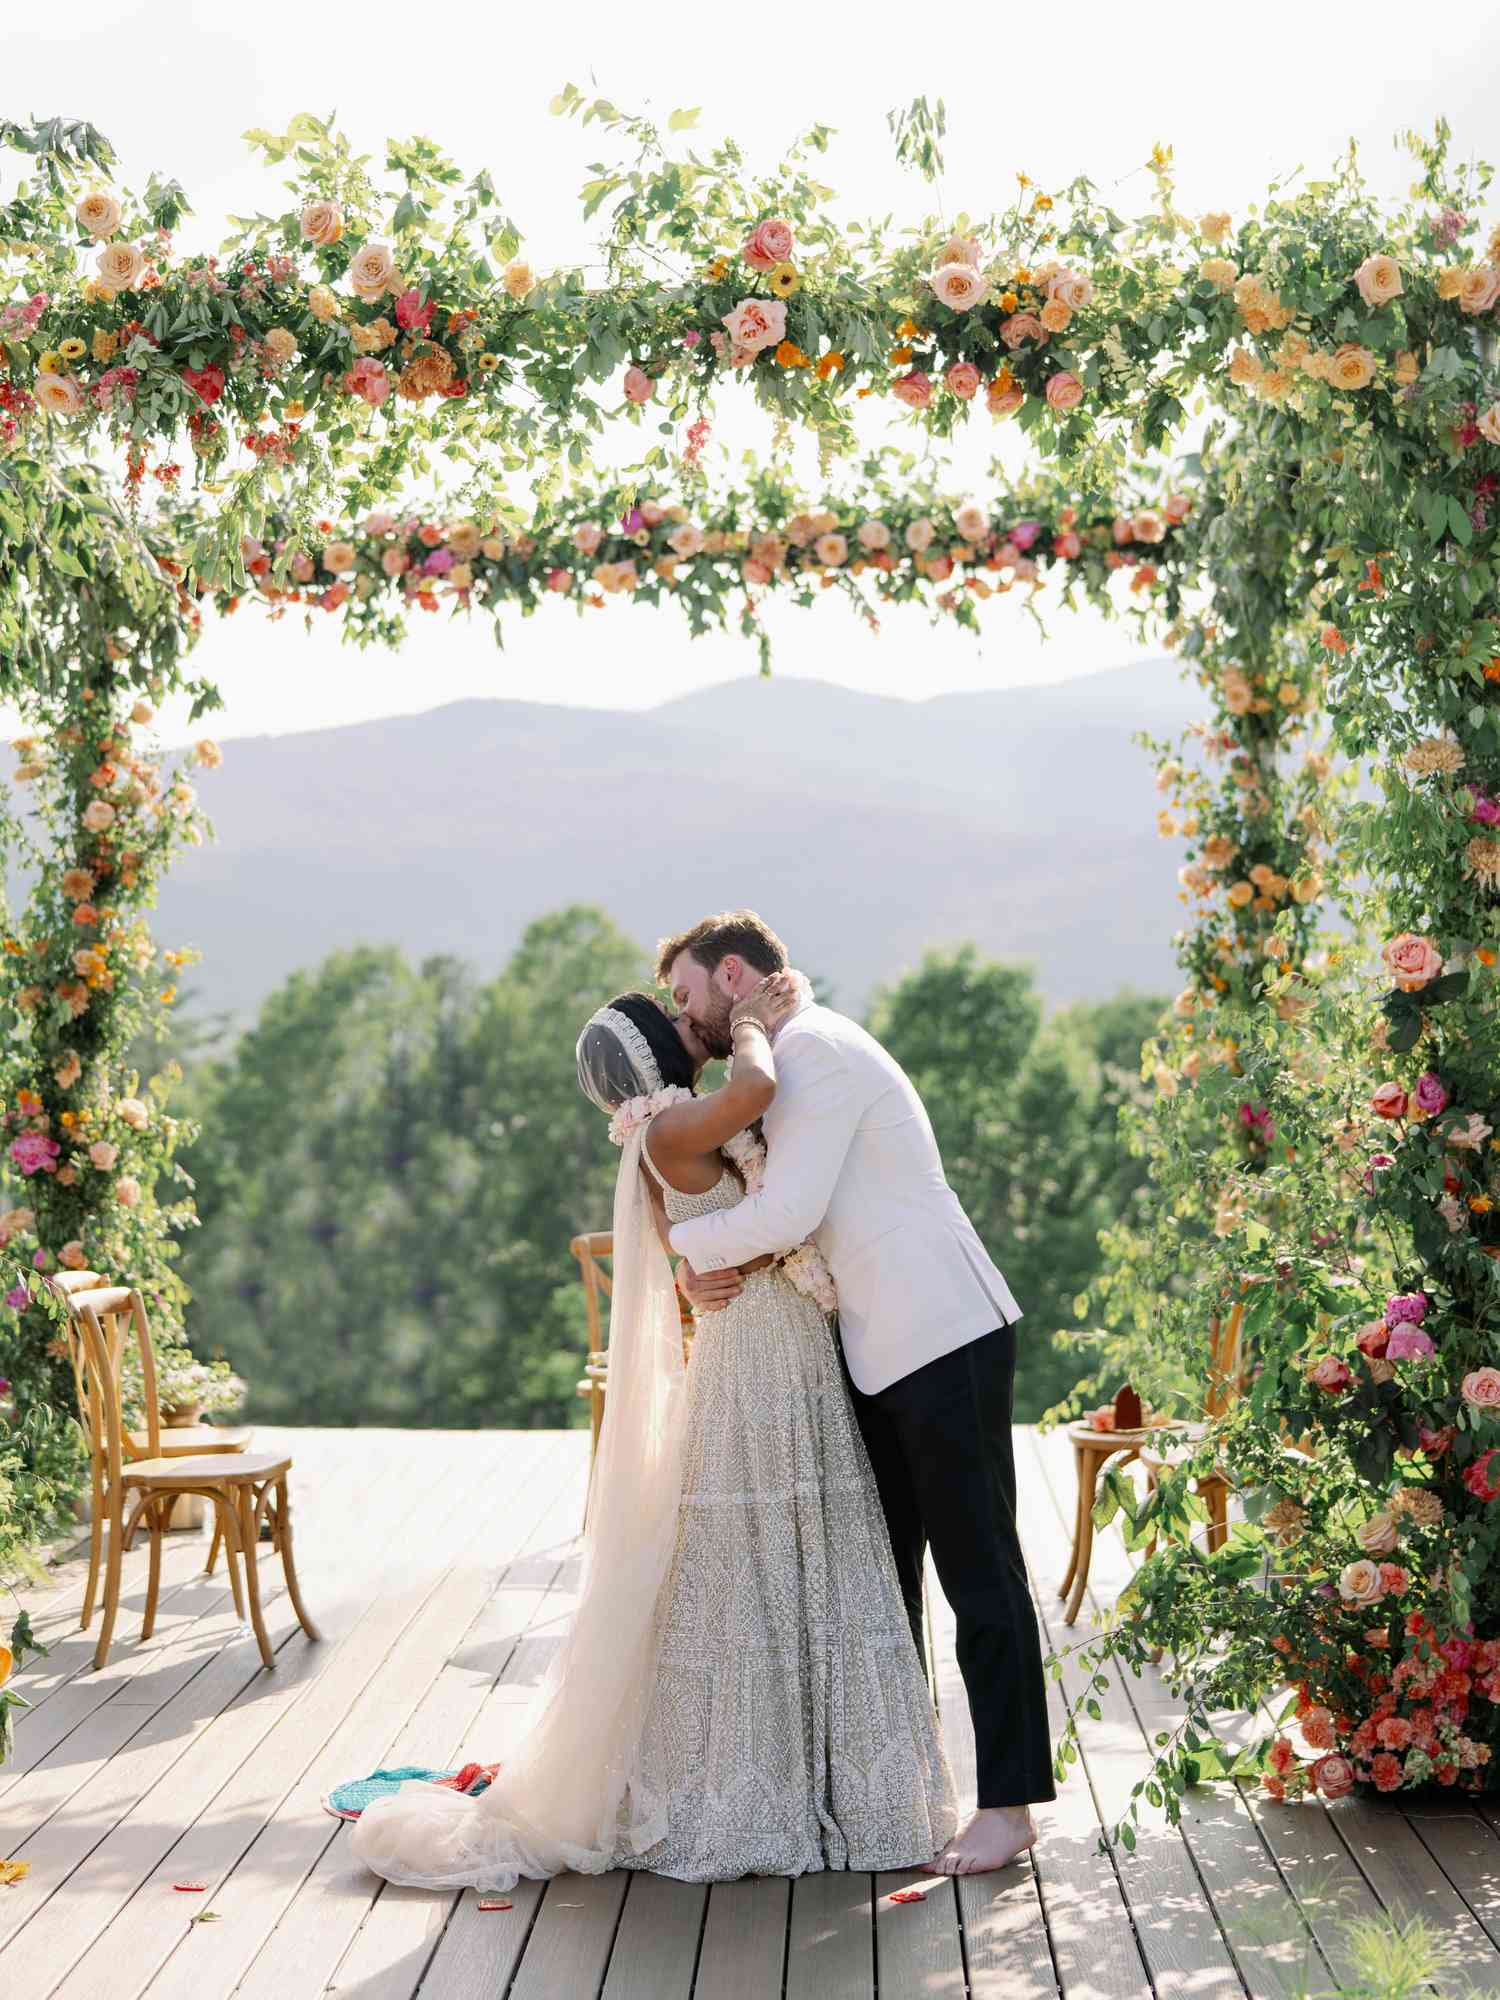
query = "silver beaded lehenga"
x=740 y=1692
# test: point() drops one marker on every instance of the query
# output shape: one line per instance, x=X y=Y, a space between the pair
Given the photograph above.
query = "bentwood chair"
x=177 y=1440
x=1226 y=1383
x=591 y=1250
x=244 y=1488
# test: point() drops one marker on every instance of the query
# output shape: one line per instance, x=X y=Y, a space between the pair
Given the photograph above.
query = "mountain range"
x=864 y=828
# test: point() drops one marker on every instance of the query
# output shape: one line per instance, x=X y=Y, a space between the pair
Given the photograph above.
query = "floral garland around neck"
x=640 y=1110
x=805 y=1266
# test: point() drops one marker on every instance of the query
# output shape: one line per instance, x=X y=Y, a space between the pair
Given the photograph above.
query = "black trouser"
x=940 y=1444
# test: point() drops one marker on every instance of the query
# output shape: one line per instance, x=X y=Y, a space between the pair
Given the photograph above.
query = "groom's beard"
x=713 y=1029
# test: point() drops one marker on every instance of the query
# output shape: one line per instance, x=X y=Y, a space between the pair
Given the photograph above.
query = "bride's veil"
x=561 y=1801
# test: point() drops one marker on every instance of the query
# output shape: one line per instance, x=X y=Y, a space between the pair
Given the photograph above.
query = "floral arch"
x=1324 y=1138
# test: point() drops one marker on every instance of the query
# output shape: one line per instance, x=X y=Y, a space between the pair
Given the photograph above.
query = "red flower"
x=1477 y=1477
x=411 y=313
x=1386 y=1771
x=207 y=383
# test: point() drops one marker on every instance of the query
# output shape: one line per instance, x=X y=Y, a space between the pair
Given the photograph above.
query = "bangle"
x=749 y=1021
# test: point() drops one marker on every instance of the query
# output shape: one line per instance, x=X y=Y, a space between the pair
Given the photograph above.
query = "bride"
x=739 y=1692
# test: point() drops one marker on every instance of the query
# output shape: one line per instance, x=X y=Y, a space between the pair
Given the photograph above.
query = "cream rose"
x=281 y=345
x=373 y=272
x=960 y=250
x=1377 y=1536
x=873 y=535
x=1359 y=1582
x=120 y=266
x=1489 y=424
x=322 y=223
x=58 y=394
x=971 y=521
x=519 y=279
x=1480 y=289
x=134 y=1113
x=831 y=550
x=338 y=556
x=1412 y=961
x=99 y=214
x=1481 y=1389
x=960 y=286
x=919 y=535
x=756 y=323
x=128 y=1191
x=1072 y=288
x=686 y=541
x=1379 y=280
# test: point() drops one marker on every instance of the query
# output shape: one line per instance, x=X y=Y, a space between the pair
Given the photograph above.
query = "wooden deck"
x=441 y=1568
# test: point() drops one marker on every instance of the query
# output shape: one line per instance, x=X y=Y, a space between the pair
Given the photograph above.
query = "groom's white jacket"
x=852 y=1163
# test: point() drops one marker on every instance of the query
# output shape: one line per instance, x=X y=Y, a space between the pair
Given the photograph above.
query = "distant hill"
x=863 y=828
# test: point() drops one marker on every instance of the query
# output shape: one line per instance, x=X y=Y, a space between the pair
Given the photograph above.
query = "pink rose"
x=756 y=323
x=128 y=1191
x=960 y=286
x=1333 y=1777
x=1372 y=1337
x=1481 y=1389
x=963 y=380
x=1412 y=961
x=940 y=568
x=98 y=814
x=394 y=561
x=1067 y=545
x=369 y=380
x=1389 y=1101
x=768 y=244
x=873 y=535
x=639 y=388
x=831 y=550
x=1477 y=1478
x=1021 y=327
x=1408 y=1343
x=1064 y=391
x=103 y=1155
x=1004 y=402
x=1178 y=507
x=587 y=536
x=915 y=389
x=1405 y=1305
x=961 y=250
x=686 y=541
x=1332 y=1373
x=411 y=313
x=919 y=535
x=753 y=570
x=1431 y=1093
x=559 y=580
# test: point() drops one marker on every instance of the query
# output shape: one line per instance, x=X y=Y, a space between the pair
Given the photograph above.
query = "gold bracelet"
x=749 y=1021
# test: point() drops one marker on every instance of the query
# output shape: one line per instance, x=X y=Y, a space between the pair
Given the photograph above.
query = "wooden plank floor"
x=442 y=1568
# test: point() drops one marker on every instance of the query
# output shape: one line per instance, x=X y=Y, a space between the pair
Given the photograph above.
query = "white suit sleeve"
x=808 y=1130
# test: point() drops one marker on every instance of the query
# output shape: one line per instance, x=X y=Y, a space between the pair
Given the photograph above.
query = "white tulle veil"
x=562 y=1801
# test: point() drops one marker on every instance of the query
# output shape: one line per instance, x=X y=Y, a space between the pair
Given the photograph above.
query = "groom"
x=927 y=1326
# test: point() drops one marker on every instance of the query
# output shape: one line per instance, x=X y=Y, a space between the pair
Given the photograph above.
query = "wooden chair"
x=591 y=1249
x=177 y=1441
x=1226 y=1382
x=244 y=1488
x=1093 y=1450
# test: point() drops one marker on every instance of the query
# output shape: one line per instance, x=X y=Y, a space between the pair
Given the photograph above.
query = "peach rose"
x=519 y=279
x=1377 y=1535
x=120 y=266
x=395 y=562
x=321 y=303
x=1480 y=289
x=208 y=753
x=1004 y=402
x=373 y=272
x=1481 y=1389
x=338 y=556
x=134 y=1113
x=322 y=223
x=1412 y=961
x=99 y=214
x=963 y=380
x=873 y=535
x=1021 y=327
x=1218 y=272
x=960 y=286
x=1389 y=1101
x=1352 y=366
x=971 y=521
x=1359 y=1582
x=1055 y=315
x=960 y=250
x=128 y=1191
x=1379 y=280
x=1489 y=424
x=71 y=1256
x=914 y=389
x=1332 y=1373
x=831 y=550
x=103 y=1155
x=1064 y=391
x=919 y=535
x=98 y=814
x=1071 y=288
x=59 y=395
x=1147 y=526
x=587 y=536
x=1215 y=225
x=756 y=323
x=686 y=541
x=369 y=380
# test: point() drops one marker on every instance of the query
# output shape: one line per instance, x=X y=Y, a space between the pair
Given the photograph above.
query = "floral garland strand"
x=804 y=1264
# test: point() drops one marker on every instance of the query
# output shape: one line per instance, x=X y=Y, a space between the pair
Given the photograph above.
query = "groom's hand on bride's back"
x=708 y=1291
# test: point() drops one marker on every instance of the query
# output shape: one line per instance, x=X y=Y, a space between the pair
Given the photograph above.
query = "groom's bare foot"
x=992 y=1839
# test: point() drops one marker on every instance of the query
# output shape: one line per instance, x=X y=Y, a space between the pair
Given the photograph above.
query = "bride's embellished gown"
x=787 y=1724
x=790 y=1727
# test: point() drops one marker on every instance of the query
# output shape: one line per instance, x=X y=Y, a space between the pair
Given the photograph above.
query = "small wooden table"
x=1092 y=1451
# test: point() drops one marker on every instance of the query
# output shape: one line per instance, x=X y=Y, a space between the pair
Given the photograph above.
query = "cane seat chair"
x=244 y=1488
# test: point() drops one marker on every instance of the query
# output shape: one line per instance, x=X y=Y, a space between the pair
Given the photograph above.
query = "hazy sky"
x=1243 y=96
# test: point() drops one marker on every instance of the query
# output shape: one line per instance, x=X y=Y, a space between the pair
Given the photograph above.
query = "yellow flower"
x=718 y=267
x=49 y=362
x=105 y=345
x=790 y=355
x=783 y=280
x=295 y=409
x=1008 y=302
x=7 y=1661
x=488 y=363
x=72 y=350
x=900 y=356
x=168 y=995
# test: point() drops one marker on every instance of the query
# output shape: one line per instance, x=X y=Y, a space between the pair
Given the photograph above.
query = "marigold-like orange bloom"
x=790 y=355
x=831 y=364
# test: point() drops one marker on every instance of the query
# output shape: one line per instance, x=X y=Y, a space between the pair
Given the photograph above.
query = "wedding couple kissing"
x=743 y=1688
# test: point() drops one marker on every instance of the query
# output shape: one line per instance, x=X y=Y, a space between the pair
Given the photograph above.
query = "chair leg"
x=250 y=1551
x=155 y=1521
x=284 y=1540
x=1083 y=1545
x=1216 y=1499
x=214 y=1545
x=96 y=1549
x=111 y=1591
x=227 y=1528
x=1078 y=1479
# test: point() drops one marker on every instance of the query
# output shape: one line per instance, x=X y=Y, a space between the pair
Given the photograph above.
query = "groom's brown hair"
x=734 y=933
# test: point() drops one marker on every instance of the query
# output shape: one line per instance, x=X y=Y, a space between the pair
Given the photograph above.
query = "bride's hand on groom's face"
x=771 y=1003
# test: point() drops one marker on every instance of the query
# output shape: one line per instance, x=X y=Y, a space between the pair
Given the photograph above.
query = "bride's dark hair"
x=663 y=1040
